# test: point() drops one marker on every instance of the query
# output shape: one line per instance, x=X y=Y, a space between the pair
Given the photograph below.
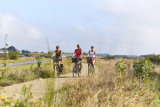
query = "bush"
x=121 y=66
x=13 y=55
x=38 y=58
x=142 y=69
x=154 y=58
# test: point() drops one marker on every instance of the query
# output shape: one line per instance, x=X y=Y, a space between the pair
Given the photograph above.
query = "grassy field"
x=106 y=88
x=21 y=59
x=16 y=74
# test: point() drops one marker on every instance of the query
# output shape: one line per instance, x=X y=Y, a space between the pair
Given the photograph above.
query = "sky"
x=129 y=27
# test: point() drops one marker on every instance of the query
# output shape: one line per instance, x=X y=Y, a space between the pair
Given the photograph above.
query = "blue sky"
x=112 y=26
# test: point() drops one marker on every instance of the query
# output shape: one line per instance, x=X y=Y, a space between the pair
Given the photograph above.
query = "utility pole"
x=48 y=45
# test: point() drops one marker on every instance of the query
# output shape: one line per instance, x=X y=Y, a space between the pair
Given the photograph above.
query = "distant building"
x=2 y=50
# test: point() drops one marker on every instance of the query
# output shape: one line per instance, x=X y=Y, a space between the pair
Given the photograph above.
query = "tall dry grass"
x=108 y=89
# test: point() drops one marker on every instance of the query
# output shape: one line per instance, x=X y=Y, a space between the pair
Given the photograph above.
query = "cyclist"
x=79 y=54
x=92 y=54
x=58 y=56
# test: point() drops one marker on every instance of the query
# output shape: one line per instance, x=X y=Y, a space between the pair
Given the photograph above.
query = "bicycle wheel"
x=90 y=69
x=74 y=70
x=78 y=71
x=57 y=73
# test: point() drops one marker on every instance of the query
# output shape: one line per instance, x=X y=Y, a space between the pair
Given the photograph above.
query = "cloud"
x=20 y=34
x=113 y=26
x=16 y=28
x=133 y=23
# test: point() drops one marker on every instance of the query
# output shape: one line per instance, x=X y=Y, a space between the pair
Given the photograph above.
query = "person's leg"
x=93 y=62
x=88 y=65
x=59 y=64
x=79 y=64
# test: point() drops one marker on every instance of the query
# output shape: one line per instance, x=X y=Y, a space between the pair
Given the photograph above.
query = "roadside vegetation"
x=119 y=82
x=21 y=59
x=17 y=74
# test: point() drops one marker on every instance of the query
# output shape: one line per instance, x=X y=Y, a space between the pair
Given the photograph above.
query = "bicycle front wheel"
x=57 y=73
x=90 y=69
x=74 y=71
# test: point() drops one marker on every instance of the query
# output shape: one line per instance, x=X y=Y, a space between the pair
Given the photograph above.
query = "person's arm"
x=61 y=54
x=53 y=54
x=95 y=54
x=88 y=54
x=81 y=53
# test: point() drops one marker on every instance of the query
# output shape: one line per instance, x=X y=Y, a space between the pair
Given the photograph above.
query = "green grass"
x=17 y=74
x=21 y=59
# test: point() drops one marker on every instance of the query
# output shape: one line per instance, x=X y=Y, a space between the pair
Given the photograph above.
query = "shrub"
x=39 y=61
x=13 y=55
x=154 y=58
x=121 y=66
x=142 y=69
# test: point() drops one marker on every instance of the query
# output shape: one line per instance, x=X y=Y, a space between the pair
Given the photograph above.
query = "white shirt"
x=92 y=54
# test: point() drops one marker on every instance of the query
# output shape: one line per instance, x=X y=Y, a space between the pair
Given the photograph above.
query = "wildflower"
x=7 y=100
x=0 y=101
x=2 y=97
x=15 y=101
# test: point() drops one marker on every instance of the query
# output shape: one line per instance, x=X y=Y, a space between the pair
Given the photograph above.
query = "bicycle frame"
x=90 y=67
x=56 y=68
x=57 y=71
x=76 y=69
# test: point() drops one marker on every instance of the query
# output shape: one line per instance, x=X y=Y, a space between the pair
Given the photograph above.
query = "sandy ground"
x=38 y=88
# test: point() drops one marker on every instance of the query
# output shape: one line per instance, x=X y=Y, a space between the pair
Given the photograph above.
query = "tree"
x=85 y=53
x=25 y=52
x=12 y=49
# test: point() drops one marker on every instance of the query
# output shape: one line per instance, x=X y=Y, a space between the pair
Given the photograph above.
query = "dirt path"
x=69 y=77
x=38 y=88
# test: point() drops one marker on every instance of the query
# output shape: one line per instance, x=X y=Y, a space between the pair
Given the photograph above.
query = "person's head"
x=78 y=46
x=57 y=47
x=92 y=47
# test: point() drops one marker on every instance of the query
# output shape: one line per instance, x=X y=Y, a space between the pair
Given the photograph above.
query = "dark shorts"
x=57 y=59
x=79 y=59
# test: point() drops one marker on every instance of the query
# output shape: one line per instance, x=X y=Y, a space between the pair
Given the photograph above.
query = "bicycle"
x=76 y=69
x=56 y=67
x=90 y=67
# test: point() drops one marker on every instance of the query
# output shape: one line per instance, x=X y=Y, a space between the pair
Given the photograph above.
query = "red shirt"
x=78 y=53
